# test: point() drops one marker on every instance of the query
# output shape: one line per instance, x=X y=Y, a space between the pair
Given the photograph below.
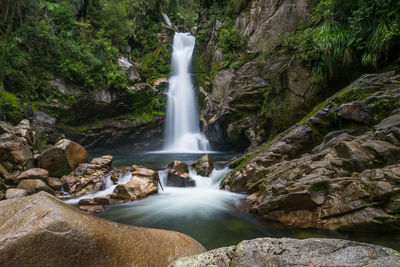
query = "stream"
x=214 y=217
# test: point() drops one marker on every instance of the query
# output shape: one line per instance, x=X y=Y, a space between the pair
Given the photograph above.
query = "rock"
x=143 y=183
x=68 y=183
x=294 y=252
x=51 y=227
x=34 y=173
x=265 y=24
x=91 y=208
x=146 y=134
x=129 y=69
x=54 y=183
x=33 y=186
x=142 y=171
x=103 y=161
x=179 y=166
x=4 y=174
x=16 y=148
x=178 y=179
x=65 y=88
x=15 y=193
x=62 y=158
x=137 y=188
x=88 y=177
x=204 y=165
x=353 y=111
x=94 y=201
x=349 y=181
x=45 y=125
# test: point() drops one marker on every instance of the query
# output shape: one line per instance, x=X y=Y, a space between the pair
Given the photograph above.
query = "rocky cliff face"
x=272 y=90
x=338 y=168
x=268 y=22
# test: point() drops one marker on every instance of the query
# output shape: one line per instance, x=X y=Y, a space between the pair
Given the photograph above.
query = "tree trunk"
x=4 y=10
x=19 y=11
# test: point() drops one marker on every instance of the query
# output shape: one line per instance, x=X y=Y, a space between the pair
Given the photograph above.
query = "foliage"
x=10 y=108
x=231 y=40
x=340 y=33
x=156 y=64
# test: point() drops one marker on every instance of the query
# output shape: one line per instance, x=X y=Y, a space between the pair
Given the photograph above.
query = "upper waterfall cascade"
x=182 y=129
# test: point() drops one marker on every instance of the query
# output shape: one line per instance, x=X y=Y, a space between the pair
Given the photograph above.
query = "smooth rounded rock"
x=15 y=193
x=62 y=158
x=294 y=252
x=56 y=234
x=33 y=186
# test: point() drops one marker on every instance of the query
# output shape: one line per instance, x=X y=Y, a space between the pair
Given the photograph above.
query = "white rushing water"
x=182 y=129
x=202 y=201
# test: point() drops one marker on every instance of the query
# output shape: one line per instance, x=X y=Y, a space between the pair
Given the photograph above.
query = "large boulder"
x=88 y=177
x=60 y=235
x=63 y=157
x=143 y=183
x=33 y=186
x=293 y=252
x=204 y=165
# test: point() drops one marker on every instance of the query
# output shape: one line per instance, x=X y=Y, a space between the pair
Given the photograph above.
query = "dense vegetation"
x=81 y=40
x=343 y=35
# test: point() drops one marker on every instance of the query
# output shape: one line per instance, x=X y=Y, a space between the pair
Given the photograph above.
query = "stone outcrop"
x=129 y=69
x=62 y=158
x=61 y=235
x=111 y=117
x=266 y=22
x=294 y=252
x=88 y=177
x=143 y=183
x=145 y=133
x=204 y=165
x=258 y=100
x=332 y=170
x=265 y=91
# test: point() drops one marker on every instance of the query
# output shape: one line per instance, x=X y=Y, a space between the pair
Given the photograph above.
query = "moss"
x=392 y=252
x=10 y=108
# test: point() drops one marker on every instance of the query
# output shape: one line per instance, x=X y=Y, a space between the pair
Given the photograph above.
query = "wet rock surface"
x=48 y=226
x=204 y=165
x=294 y=252
x=314 y=175
x=88 y=177
x=143 y=183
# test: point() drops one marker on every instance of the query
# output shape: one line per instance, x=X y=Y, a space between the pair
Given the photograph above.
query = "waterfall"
x=182 y=128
